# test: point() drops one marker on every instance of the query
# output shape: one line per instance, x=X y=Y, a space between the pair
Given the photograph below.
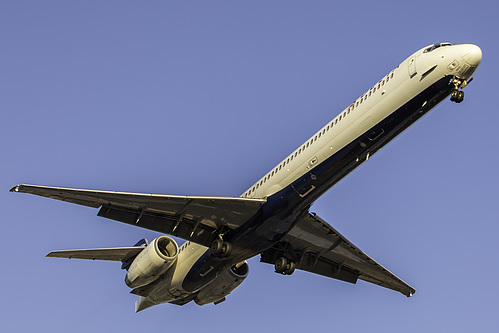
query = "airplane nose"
x=472 y=54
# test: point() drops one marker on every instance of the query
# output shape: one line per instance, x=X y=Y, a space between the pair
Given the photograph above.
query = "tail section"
x=143 y=303
x=127 y=261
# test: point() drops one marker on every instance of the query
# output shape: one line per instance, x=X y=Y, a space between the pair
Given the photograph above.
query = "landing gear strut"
x=284 y=266
x=219 y=248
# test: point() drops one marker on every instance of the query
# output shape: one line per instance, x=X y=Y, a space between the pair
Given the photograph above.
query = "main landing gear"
x=220 y=249
x=284 y=266
x=456 y=94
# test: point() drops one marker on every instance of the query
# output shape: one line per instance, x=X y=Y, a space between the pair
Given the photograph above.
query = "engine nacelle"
x=223 y=285
x=153 y=261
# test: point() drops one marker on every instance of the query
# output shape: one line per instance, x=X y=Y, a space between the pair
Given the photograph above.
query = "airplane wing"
x=317 y=247
x=192 y=218
x=112 y=254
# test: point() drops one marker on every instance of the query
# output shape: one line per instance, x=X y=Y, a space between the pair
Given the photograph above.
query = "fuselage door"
x=412 y=66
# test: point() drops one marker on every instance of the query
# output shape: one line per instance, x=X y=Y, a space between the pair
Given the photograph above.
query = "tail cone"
x=142 y=303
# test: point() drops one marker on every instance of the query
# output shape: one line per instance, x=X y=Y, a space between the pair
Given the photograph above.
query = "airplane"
x=272 y=218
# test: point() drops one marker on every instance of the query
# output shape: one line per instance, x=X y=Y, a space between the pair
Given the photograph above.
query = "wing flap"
x=111 y=254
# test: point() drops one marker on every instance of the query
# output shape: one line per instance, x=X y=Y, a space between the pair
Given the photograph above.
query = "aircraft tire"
x=290 y=268
x=226 y=249
x=216 y=247
x=281 y=264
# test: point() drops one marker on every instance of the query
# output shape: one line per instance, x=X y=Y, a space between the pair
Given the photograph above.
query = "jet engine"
x=153 y=261
x=223 y=285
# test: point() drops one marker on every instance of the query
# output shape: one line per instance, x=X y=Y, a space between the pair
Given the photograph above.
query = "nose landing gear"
x=456 y=94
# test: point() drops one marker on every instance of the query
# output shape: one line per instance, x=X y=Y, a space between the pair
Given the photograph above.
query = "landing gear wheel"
x=457 y=96
x=284 y=266
x=281 y=264
x=290 y=268
x=216 y=247
x=226 y=248
x=460 y=97
x=221 y=249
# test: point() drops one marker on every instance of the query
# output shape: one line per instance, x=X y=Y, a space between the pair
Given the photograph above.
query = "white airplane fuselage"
x=393 y=103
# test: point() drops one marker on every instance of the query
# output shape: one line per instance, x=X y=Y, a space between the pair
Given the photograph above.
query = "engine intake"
x=152 y=262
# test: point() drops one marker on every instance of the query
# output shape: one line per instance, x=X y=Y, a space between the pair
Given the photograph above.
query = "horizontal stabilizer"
x=112 y=254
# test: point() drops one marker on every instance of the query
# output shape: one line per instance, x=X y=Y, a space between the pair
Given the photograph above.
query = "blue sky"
x=203 y=98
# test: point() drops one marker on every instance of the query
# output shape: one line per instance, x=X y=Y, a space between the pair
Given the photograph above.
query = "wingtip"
x=411 y=293
x=15 y=188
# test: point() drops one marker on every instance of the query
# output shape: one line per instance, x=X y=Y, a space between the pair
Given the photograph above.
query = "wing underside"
x=317 y=247
x=195 y=218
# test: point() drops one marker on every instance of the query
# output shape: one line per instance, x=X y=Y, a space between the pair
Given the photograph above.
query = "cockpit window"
x=436 y=46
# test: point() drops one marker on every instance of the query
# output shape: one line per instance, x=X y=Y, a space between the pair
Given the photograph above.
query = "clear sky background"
x=203 y=98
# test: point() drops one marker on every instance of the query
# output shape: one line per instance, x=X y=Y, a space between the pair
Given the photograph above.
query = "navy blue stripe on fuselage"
x=283 y=209
x=279 y=213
